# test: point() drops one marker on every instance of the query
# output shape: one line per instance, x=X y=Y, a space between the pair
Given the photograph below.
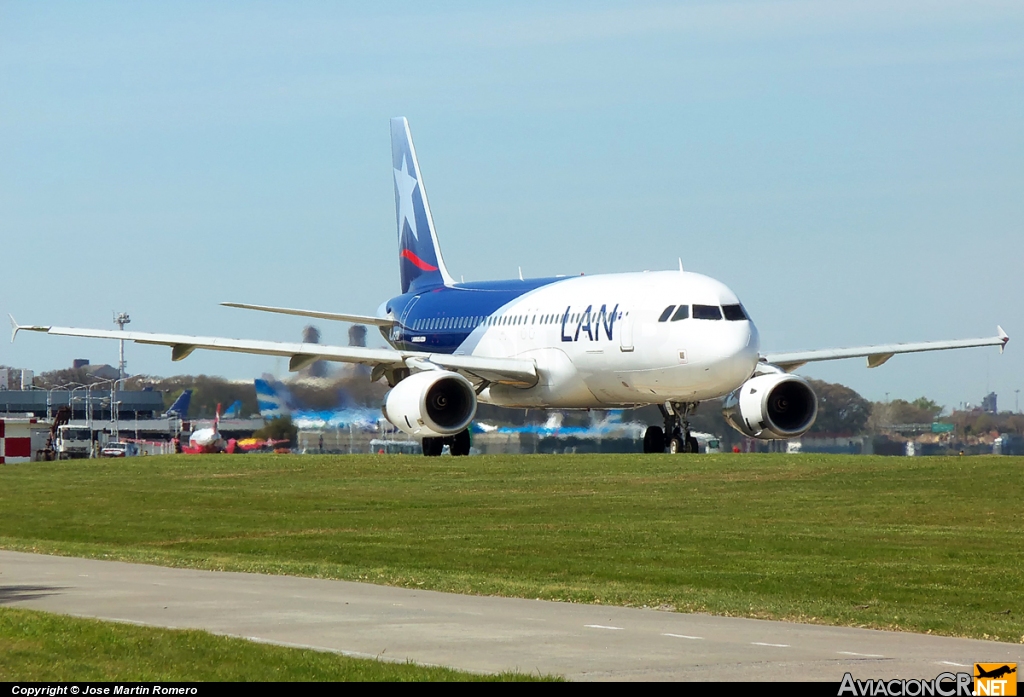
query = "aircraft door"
x=626 y=333
x=399 y=331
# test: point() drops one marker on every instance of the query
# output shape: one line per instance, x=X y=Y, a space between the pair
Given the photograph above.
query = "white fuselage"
x=611 y=349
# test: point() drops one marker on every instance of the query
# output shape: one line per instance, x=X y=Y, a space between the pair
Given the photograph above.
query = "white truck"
x=75 y=442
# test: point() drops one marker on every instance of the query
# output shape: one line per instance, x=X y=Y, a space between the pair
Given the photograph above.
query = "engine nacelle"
x=773 y=406
x=431 y=403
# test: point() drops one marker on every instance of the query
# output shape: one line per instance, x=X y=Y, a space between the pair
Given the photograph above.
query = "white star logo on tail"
x=405 y=185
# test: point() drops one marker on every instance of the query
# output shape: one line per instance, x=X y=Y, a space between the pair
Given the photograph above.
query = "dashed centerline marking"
x=862 y=655
x=950 y=663
x=600 y=626
x=761 y=643
x=683 y=636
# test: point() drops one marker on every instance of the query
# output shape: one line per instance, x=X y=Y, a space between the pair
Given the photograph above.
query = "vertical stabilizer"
x=418 y=250
x=180 y=406
x=272 y=405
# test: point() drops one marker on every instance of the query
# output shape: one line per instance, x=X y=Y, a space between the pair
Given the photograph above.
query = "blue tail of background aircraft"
x=418 y=250
x=271 y=404
x=180 y=406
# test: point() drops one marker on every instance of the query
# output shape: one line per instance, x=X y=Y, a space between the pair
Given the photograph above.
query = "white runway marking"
x=600 y=626
x=761 y=643
x=863 y=655
x=683 y=636
x=950 y=663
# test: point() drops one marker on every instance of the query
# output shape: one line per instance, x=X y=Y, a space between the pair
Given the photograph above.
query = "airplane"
x=275 y=401
x=180 y=406
x=207 y=440
x=669 y=338
x=995 y=673
x=610 y=426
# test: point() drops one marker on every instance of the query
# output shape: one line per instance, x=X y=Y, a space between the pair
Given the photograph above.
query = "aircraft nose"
x=744 y=350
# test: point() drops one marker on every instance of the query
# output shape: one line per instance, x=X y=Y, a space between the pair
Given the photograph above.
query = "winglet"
x=15 y=327
x=1002 y=335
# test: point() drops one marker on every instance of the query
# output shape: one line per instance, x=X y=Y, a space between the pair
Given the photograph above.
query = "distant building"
x=357 y=335
x=988 y=404
x=15 y=379
x=130 y=404
x=318 y=369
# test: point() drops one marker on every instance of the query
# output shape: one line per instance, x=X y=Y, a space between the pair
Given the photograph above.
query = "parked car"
x=120 y=450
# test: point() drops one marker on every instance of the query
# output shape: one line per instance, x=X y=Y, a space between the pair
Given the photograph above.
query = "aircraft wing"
x=338 y=317
x=877 y=355
x=512 y=371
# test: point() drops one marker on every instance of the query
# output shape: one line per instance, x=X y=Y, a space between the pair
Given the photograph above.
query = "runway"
x=482 y=634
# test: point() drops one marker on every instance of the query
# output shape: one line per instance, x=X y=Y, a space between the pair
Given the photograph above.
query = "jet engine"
x=772 y=406
x=431 y=403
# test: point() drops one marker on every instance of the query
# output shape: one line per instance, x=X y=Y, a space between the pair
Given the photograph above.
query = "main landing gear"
x=457 y=445
x=675 y=436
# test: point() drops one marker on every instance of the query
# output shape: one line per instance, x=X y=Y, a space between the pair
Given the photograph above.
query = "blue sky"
x=853 y=170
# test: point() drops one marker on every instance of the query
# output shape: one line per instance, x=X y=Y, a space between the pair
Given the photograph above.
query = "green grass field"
x=38 y=646
x=923 y=544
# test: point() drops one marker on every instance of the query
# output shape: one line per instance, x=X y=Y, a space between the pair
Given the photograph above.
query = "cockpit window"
x=734 y=312
x=666 y=313
x=707 y=312
x=682 y=313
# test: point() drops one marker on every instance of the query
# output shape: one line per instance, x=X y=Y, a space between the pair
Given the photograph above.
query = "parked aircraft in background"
x=207 y=440
x=611 y=426
x=180 y=406
x=275 y=401
x=670 y=338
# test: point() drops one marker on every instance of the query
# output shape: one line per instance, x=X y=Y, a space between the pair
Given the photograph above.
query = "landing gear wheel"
x=460 y=443
x=654 y=440
x=677 y=423
x=692 y=446
x=432 y=447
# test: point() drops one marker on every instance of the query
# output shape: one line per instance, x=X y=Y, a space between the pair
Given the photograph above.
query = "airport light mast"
x=120 y=320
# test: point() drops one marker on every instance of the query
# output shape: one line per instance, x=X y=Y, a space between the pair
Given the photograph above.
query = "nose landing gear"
x=676 y=434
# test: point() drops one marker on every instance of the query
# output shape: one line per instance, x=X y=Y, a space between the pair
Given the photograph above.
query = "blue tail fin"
x=271 y=404
x=234 y=411
x=418 y=250
x=180 y=406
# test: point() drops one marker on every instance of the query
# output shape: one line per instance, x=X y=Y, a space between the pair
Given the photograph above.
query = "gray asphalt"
x=481 y=634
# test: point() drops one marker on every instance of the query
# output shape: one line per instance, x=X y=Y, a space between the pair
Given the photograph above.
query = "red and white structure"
x=16 y=440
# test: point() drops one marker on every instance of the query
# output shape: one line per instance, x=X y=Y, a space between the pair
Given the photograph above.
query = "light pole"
x=121 y=320
x=88 y=406
x=49 y=398
x=71 y=398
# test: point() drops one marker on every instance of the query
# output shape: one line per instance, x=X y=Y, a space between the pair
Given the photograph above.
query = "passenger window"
x=666 y=313
x=682 y=313
x=707 y=312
